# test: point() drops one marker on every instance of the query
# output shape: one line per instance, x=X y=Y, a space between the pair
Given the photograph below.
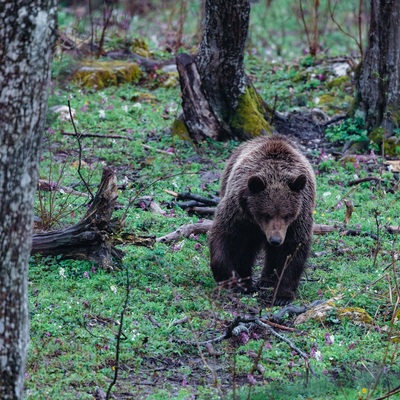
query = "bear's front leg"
x=232 y=256
x=283 y=268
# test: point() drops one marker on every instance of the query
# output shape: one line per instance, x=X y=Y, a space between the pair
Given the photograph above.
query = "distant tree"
x=378 y=78
x=27 y=35
x=219 y=100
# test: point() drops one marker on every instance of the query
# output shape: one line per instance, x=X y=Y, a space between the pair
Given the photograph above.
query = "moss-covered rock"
x=249 y=119
x=100 y=74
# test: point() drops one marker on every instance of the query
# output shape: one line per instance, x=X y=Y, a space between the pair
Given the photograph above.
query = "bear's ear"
x=256 y=184
x=297 y=184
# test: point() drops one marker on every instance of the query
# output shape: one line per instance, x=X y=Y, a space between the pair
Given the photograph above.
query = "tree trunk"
x=232 y=100
x=378 y=80
x=27 y=34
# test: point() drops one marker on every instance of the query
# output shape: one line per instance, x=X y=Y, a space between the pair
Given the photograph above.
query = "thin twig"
x=389 y=394
x=332 y=11
x=107 y=13
x=78 y=138
x=288 y=260
x=120 y=333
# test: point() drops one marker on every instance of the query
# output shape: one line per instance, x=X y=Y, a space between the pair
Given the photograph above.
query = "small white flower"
x=137 y=105
x=318 y=355
x=125 y=107
x=62 y=273
x=135 y=334
x=113 y=289
x=102 y=114
x=326 y=194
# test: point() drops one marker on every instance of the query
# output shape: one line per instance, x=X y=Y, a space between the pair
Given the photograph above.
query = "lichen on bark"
x=27 y=35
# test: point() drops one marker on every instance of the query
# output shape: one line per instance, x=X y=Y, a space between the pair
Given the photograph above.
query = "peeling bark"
x=198 y=115
x=378 y=80
x=27 y=34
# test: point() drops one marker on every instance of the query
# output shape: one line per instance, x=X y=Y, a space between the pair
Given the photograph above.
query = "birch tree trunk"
x=378 y=81
x=27 y=34
x=219 y=100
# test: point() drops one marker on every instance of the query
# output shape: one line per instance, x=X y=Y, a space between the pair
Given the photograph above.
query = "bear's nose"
x=275 y=241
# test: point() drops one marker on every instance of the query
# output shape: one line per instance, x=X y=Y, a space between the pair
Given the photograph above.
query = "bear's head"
x=273 y=204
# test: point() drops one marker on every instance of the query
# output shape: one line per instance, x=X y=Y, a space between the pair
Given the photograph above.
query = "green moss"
x=340 y=82
x=139 y=46
x=391 y=146
x=101 y=74
x=249 y=119
x=326 y=99
x=180 y=130
x=377 y=135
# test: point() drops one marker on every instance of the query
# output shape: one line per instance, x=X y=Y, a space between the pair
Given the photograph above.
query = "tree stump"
x=92 y=237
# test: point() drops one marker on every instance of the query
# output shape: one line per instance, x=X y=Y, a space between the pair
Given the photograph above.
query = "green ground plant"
x=173 y=303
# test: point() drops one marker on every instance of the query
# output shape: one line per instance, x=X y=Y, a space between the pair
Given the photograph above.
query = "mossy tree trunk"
x=27 y=36
x=225 y=96
x=378 y=78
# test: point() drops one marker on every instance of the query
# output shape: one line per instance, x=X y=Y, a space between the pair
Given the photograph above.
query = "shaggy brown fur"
x=267 y=202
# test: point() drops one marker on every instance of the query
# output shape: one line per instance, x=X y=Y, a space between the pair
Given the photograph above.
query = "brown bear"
x=267 y=203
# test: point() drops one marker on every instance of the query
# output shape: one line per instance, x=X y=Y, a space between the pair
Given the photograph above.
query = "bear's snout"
x=275 y=240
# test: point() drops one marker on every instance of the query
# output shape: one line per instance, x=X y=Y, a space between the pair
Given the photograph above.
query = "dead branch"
x=269 y=329
x=101 y=136
x=199 y=199
x=186 y=231
x=366 y=179
x=201 y=210
x=50 y=186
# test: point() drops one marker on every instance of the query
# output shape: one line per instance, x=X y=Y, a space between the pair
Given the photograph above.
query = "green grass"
x=75 y=306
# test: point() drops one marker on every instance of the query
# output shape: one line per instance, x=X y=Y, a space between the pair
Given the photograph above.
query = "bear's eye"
x=288 y=217
x=267 y=217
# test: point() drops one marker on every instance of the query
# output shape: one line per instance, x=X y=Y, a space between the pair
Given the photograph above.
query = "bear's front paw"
x=265 y=285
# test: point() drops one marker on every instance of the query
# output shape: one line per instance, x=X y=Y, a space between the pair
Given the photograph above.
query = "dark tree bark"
x=378 y=80
x=236 y=109
x=27 y=34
